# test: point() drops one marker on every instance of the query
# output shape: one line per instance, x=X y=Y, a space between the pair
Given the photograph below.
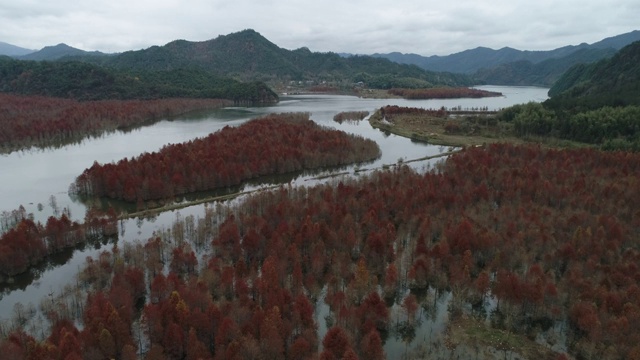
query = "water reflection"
x=51 y=263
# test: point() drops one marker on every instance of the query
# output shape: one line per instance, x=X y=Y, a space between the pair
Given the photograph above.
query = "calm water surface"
x=32 y=177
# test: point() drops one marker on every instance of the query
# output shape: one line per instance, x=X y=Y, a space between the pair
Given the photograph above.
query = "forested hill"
x=13 y=50
x=544 y=73
x=612 y=82
x=83 y=81
x=58 y=51
x=508 y=66
x=247 y=55
x=472 y=60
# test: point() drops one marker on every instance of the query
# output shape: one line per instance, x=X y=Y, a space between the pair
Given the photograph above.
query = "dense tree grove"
x=28 y=243
x=594 y=104
x=45 y=121
x=551 y=234
x=608 y=82
x=614 y=128
x=442 y=93
x=389 y=111
x=248 y=55
x=287 y=143
x=82 y=81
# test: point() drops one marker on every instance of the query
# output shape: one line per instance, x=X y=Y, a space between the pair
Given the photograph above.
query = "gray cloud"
x=357 y=26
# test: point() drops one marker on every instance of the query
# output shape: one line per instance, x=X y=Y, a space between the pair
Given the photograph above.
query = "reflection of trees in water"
x=414 y=330
x=429 y=304
x=406 y=330
x=479 y=309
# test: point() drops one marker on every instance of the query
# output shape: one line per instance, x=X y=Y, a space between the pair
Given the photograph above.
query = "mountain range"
x=247 y=55
x=544 y=73
x=57 y=52
x=470 y=61
x=12 y=50
x=508 y=66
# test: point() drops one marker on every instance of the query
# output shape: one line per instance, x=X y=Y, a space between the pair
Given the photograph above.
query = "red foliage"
x=300 y=349
x=443 y=93
x=537 y=239
x=336 y=342
x=42 y=121
x=107 y=328
x=389 y=111
x=288 y=142
x=373 y=311
x=29 y=243
x=371 y=346
x=21 y=247
x=20 y=346
x=410 y=305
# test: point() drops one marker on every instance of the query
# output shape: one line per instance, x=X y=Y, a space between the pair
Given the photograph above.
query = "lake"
x=33 y=176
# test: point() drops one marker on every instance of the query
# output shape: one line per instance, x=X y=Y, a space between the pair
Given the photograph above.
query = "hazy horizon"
x=358 y=27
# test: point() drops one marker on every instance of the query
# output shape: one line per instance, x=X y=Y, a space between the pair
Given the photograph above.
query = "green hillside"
x=473 y=60
x=247 y=55
x=597 y=104
x=611 y=82
x=234 y=66
x=84 y=81
x=543 y=73
x=57 y=52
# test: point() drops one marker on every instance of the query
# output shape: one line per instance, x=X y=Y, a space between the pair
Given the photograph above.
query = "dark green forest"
x=544 y=73
x=610 y=82
x=234 y=67
x=84 y=81
x=596 y=104
x=509 y=66
x=247 y=55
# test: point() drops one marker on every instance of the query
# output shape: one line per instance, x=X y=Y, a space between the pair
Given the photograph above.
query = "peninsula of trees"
x=51 y=103
x=443 y=93
x=47 y=121
x=275 y=144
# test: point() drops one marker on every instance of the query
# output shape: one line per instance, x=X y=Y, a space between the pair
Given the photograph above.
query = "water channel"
x=32 y=178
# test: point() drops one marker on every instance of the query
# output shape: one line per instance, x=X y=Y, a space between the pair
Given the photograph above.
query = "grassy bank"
x=489 y=343
x=459 y=130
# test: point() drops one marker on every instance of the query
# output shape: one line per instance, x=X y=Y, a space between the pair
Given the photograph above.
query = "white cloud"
x=357 y=26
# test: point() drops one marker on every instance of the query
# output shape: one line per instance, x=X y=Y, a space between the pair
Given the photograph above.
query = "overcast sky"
x=355 y=26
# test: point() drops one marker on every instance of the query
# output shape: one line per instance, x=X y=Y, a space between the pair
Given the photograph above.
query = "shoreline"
x=181 y=205
x=433 y=130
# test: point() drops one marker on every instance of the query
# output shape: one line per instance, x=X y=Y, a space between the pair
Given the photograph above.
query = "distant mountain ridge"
x=508 y=66
x=57 y=52
x=247 y=55
x=470 y=61
x=13 y=50
x=544 y=73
